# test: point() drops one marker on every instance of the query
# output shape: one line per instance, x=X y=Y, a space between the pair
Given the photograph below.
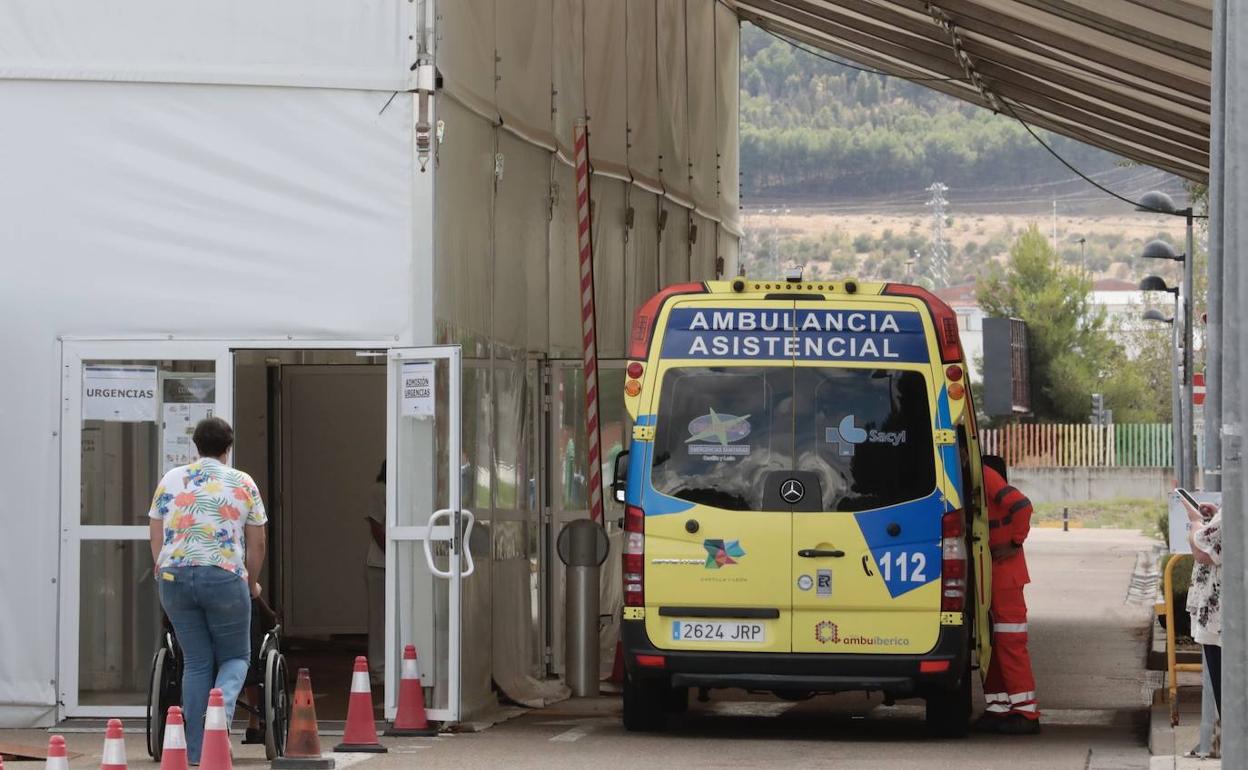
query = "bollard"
x=582 y=547
x=1065 y=519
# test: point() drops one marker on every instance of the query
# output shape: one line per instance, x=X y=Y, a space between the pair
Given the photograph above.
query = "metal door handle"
x=467 y=549
x=445 y=512
x=815 y=553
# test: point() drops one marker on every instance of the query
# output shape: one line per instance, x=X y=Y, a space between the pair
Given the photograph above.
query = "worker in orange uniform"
x=1010 y=687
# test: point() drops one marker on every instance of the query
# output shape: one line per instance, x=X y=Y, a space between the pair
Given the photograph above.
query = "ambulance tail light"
x=943 y=316
x=648 y=314
x=634 y=556
x=953 y=562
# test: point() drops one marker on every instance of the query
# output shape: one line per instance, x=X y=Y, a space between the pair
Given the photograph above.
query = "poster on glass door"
x=185 y=401
x=119 y=393
x=416 y=389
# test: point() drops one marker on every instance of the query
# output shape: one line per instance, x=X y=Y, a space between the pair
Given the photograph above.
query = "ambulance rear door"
x=866 y=559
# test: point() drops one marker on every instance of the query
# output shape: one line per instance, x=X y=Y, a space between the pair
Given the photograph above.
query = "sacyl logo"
x=847 y=436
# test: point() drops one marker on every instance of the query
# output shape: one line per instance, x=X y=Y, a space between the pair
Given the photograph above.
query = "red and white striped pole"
x=589 y=337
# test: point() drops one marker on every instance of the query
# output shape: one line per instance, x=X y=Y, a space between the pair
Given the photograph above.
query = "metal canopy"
x=1129 y=76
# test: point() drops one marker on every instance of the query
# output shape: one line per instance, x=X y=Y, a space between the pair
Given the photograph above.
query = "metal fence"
x=1143 y=445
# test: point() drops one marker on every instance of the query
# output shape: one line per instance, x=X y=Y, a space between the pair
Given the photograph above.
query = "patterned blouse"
x=205 y=506
x=1204 y=596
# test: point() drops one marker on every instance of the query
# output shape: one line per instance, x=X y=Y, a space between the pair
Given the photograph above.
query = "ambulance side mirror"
x=619 y=480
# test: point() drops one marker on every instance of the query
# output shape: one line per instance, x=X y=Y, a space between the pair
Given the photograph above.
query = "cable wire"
x=1010 y=108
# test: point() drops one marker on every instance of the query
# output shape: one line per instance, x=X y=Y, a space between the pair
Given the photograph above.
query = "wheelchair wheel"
x=164 y=690
x=276 y=704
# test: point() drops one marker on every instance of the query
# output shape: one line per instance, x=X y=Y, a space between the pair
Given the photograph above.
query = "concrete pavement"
x=1088 y=645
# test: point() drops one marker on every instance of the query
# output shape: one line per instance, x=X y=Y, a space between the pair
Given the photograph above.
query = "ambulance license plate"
x=701 y=631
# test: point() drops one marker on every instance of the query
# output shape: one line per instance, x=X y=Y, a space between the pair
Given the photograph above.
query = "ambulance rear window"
x=866 y=433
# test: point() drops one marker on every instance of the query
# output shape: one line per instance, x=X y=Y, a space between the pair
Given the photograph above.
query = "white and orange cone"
x=361 y=732
x=114 y=747
x=216 y=752
x=173 y=752
x=411 y=719
x=57 y=758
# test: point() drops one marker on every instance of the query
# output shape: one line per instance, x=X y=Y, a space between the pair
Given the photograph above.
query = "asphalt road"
x=1087 y=643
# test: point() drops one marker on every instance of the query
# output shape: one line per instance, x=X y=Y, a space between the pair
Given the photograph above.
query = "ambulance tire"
x=948 y=712
x=677 y=700
x=645 y=702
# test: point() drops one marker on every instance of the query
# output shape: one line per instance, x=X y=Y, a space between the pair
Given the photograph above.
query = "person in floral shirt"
x=208 y=545
x=1204 y=597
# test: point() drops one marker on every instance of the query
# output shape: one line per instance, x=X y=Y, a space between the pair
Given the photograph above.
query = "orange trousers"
x=1010 y=687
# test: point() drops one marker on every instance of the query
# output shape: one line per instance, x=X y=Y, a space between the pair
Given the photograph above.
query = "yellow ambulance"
x=803 y=498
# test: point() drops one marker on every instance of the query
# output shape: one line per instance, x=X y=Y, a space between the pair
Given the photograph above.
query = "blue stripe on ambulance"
x=912 y=562
x=949 y=452
x=639 y=492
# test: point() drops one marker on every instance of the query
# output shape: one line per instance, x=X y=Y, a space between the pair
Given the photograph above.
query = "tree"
x=1072 y=352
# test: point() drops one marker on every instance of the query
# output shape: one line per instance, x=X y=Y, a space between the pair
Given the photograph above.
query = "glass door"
x=127 y=411
x=426 y=528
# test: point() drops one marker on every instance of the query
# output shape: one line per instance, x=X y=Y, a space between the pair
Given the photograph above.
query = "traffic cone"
x=114 y=747
x=303 y=742
x=216 y=751
x=411 y=721
x=173 y=751
x=57 y=758
x=361 y=732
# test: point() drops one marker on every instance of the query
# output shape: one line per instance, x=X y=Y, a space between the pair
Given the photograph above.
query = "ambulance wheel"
x=644 y=704
x=948 y=713
x=276 y=704
x=164 y=690
x=677 y=700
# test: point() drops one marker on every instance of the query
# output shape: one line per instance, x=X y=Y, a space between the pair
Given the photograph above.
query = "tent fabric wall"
x=703 y=103
x=464 y=181
x=568 y=71
x=523 y=35
x=641 y=252
x=703 y=246
x=307 y=43
x=609 y=279
x=518 y=269
x=642 y=93
x=311 y=235
x=465 y=53
x=565 y=271
x=673 y=83
x=674 y=243
x=606 y=76
x=728 y=95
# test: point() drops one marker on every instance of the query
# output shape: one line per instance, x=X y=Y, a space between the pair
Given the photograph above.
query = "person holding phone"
x=1204 y=597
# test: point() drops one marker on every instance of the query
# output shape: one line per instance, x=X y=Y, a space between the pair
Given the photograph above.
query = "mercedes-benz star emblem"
x=792 y=491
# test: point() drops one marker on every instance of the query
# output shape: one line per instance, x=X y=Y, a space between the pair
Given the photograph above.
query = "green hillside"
x=813 y=129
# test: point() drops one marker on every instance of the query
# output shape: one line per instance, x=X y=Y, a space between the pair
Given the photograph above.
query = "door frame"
x=72 y=531
x=451 y=534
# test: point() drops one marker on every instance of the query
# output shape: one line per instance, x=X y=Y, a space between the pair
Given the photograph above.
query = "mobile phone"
x=1187 y=497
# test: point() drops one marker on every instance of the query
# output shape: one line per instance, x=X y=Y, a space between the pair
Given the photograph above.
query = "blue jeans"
x=210 y=609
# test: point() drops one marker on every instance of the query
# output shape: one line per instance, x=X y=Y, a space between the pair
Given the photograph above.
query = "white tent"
x=237 y=175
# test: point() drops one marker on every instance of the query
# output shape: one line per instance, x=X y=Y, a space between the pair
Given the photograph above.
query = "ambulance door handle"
x=815 y=553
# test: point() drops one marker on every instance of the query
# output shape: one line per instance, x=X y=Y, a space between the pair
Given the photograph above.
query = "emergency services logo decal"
x=721 y=429
x=720 y=552
x=826 y=632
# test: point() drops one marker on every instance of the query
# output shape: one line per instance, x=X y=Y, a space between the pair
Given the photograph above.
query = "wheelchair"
x=267 y=673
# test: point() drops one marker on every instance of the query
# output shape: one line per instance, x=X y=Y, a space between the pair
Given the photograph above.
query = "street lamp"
x=1160 y=203
x=1153 y=314
x=1156 y=283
